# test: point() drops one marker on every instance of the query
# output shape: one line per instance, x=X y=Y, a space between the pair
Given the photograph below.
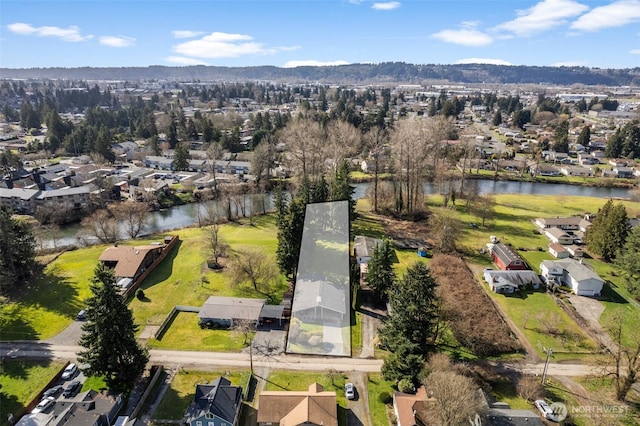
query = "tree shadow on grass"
x=173 y=405
x=609 y=294
x=54 y=292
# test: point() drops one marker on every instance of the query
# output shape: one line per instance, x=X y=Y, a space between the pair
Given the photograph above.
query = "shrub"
x=384 y=397
x=140 y=295
x=406 y=386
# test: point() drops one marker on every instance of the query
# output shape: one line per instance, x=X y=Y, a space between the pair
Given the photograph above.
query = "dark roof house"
x=215 y=404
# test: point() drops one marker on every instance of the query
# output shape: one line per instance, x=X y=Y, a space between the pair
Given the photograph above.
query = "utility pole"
x=546 y=365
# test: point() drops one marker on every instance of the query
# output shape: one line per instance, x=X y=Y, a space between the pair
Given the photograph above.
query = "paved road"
x=169 y=358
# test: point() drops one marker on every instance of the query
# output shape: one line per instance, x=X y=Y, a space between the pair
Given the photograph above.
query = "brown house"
x=129 y=261
x=313 y=407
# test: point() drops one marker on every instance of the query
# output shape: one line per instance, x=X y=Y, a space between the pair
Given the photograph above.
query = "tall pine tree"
x=109 y=335
x=608 y=231
x=628 y=260
x=17 y=252
x=380 y=273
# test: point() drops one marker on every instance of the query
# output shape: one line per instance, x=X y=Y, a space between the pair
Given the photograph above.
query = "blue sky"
x=285 y=33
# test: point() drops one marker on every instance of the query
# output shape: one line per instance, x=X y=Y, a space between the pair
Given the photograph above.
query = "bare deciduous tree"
x=624 y=359
x=483 y=207
x=457 y=400
x=304 y=139
x=343 y=141
x=255 y=267
x=446 y=228
x=244 y=328
x=376 y=142
x=133 y=215
x=529 y=387
x=216 y=243
x=101 y=225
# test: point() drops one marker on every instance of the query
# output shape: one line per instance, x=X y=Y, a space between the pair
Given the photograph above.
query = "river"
x=187 y=215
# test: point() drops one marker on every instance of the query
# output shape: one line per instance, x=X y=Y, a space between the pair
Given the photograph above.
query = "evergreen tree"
x=608 y=231
x=341 y=188
x=584 y=138
x=414 y=311
x=561 y=137
x=320 y=191
x=628 y=260
x=380 y=273
x=181 y=158
x=497 y=118
x=154 y=146
x=290 y=237
x=109 y=335
x=17 y=252
x=403 y=363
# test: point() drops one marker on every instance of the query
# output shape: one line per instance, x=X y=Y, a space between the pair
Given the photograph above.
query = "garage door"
x=586 y=292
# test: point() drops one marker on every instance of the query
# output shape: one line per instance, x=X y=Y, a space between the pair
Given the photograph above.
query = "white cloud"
x=571 y=64
x=464 y=36
x=224 y=45
x=71 y=33
x=635 y=52
x=483 y=61
x=312 y=63
x=184 y=61
x=355 y=1
x=542 y=16
x=615 y=14
x=117 y=41
x=390 y=5
x=186 y=33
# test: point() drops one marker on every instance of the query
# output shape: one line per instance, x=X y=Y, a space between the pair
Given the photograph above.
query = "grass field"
x=185 y=333
x=21 y=382
x=378 y=410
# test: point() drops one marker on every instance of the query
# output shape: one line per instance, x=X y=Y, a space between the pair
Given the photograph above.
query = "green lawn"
x=183 y=388
x=535 y=313
x=378 y=410
x=53 y=302
x=21 y=382
x=178 y=280
x=504 y=390
x=185 y=333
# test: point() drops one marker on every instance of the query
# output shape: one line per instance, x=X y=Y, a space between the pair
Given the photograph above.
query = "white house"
x=582 y=280
x=509 y=281
x=558 y=236
x=363 y=248
x=558 y=251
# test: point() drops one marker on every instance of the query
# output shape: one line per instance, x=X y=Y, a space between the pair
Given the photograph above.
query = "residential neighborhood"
x=305 y=280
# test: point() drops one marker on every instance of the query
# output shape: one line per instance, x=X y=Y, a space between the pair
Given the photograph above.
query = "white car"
x=349 y=391
x=545 y=410
x=69 y=372
x=44 y=405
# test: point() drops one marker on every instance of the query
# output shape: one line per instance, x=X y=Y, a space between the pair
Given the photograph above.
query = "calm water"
x=187 y=215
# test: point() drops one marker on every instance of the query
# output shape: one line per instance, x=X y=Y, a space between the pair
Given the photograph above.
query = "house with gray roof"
x=215 y=404
x=19 y=200
x=574 y=274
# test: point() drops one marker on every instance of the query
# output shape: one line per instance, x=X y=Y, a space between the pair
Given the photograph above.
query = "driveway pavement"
x=358 y=408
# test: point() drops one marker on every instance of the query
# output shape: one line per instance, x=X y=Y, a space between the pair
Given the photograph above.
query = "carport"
x=271 y=313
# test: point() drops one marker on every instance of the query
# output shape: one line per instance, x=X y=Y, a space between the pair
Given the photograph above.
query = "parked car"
x=545 y=410
x=350 y=391
x=70 y=372
x=44 y=405
x=54 y=391
x=81 y=315
x=72 y=389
